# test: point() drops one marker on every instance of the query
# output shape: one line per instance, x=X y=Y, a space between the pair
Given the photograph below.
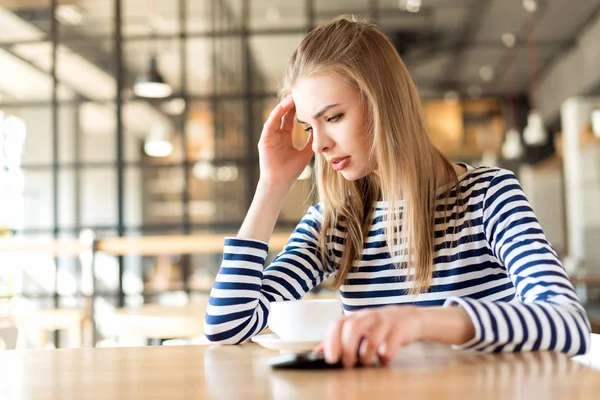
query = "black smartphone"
x=308 y=360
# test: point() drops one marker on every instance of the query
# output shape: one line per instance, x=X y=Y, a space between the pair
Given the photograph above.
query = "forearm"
x=264 y=211
x=447 y=325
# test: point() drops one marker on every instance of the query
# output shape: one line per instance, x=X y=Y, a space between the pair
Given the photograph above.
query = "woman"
x=464 y=241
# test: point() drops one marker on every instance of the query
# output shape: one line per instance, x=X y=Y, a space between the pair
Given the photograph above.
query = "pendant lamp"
x=534 y=133
x=151 y=84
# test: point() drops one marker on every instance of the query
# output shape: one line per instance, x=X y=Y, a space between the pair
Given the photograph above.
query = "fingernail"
x=362 y=350
x=382 y=350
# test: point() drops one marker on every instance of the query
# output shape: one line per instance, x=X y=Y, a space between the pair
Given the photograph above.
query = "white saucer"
x=273 y=342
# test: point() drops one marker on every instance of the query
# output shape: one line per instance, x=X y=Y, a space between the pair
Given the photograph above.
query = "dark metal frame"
x=249 y=160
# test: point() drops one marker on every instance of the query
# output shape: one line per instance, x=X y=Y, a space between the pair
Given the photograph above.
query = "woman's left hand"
x=375 y=332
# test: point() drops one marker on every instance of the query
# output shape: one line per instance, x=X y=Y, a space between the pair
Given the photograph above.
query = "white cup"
x=304 y=320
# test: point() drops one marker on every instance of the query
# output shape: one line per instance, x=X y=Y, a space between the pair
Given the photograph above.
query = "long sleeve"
x=242 y=292
x=548 y=315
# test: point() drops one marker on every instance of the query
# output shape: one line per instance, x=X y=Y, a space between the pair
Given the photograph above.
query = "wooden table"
x=422 y=371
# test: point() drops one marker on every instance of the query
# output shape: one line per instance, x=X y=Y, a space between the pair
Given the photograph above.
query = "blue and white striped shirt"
x=499 y=267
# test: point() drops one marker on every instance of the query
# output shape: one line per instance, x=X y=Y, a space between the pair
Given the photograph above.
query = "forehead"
x=313 y=92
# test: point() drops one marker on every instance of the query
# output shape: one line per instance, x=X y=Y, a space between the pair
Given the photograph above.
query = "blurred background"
x=129 y=131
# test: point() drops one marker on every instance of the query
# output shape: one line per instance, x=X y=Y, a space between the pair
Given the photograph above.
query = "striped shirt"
x=495 y=262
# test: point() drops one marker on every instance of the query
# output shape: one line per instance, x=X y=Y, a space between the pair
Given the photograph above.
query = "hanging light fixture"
x=512 y=148
x=534 y=133
x=157 y=144
x=151 y=84
x=596 y=122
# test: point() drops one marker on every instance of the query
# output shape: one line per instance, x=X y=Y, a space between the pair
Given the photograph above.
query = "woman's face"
x=333 y=113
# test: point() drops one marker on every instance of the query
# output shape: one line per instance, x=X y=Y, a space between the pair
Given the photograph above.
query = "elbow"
x=584 y=332
x=585 y=342
x=218 y=336
x=226 y=333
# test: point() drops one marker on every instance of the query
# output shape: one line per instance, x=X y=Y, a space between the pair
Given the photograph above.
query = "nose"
x=321 y=142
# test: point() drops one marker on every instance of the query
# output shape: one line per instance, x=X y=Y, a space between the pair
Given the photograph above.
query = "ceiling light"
x=413 y=6
x=474 y=91
x=203 y=170
x=157 y=144
x=451 y=97
x=175 y=106
x=512 y=148
x=530 y=5
x=158 y=148
x=69 y=14
x=486 y=73
x=152 y=84
x=534 y=133
x=596 y=122
x=509 y=39
x=227 y=173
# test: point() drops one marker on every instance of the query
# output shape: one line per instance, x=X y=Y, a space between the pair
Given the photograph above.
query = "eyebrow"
x=320 y=113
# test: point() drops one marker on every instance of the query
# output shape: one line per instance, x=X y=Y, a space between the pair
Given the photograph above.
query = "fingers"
x=394 y=339
x=362 y=337
x=332 y=344
x=275 y=118
x=371 y=344
x=318 y=349
x=288 y=120
x=353 y=331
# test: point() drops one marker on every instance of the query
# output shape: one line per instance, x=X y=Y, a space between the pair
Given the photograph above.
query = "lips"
x=339 y=163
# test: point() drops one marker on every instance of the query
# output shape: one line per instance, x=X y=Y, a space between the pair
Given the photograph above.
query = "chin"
x=350 y=175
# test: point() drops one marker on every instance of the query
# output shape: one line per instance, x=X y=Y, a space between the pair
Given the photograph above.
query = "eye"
x=308 y=129
x=335 y=118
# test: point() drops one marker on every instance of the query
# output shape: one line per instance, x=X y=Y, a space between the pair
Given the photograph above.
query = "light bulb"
x=596 y=122
x=158 y=148
x=534 y=133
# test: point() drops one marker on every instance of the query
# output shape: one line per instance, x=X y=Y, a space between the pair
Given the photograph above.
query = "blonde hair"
x=401 y=151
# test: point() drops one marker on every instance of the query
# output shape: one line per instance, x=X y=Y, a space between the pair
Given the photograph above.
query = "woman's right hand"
x=280 y=161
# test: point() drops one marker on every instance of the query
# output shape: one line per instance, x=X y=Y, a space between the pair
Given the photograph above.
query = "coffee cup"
x=303 y=320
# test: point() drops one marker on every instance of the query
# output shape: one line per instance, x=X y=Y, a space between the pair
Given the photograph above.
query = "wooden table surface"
x=421 y=371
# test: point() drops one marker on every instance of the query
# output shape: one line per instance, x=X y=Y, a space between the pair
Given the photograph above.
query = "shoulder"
x=500 y=188
x=313 y=217
x=488 y=177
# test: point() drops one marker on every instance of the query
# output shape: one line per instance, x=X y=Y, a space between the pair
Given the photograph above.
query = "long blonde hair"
x=401 y=151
